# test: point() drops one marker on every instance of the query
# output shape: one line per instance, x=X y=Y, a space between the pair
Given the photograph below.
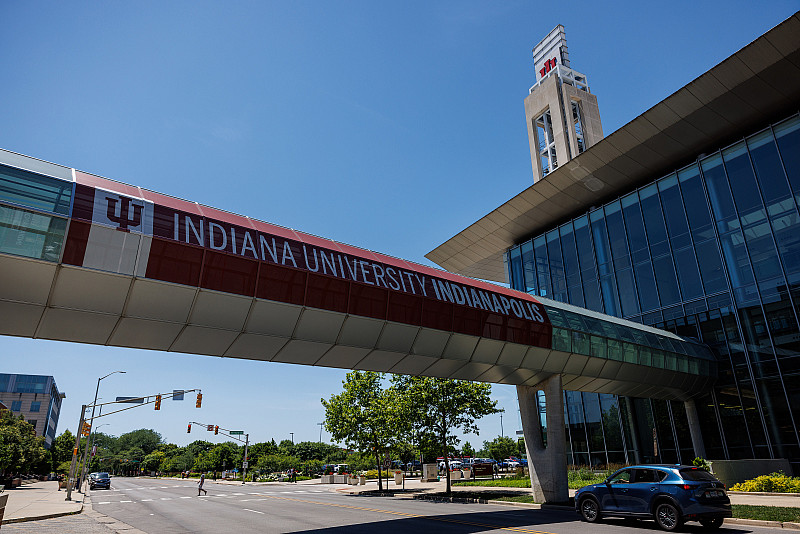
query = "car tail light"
x=687 y=487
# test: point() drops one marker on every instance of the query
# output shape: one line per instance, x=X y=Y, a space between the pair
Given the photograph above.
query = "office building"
x=35 y=397
x=687 y=219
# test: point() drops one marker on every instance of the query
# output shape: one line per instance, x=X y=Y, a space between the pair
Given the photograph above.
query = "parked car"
x=668 y=494
x=99 y=480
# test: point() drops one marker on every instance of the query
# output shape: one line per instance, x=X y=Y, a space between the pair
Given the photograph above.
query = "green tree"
x=153 y=461
x=366 y=416
x=440 y=406
x=467 y=450
x=286 y=447
x=21 y=450
x=143 y=439
x=61 y=448
x=500 y=448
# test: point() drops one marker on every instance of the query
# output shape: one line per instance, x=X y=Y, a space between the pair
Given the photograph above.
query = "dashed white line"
x=125 y=501
x=254 y=511
x=166 y=498
x=185 y=497
x=105 y=502
x=147 y=500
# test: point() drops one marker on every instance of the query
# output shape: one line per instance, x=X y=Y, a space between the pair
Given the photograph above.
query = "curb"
x=760 y=523
x=764 y=493
x=39 y=517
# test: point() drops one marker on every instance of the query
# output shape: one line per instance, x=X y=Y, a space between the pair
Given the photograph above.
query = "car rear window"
x=697 y=475
x=102 y=475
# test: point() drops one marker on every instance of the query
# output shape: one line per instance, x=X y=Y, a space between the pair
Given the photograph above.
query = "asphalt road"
x=172 y=506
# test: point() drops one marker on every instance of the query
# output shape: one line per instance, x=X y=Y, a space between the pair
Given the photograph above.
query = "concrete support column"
x=547 y=465
x=694 y=428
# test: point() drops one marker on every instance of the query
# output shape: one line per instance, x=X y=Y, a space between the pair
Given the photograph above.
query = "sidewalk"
x=40 y=500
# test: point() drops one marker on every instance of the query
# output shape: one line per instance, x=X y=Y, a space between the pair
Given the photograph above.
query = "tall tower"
x=563 y=117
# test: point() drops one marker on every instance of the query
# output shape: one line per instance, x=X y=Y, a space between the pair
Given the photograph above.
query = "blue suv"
x=669 y=494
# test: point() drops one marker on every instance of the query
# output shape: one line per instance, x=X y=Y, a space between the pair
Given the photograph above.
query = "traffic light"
x=189 y=430
x=199 y=400
x=86 y=429
x=216 y=430
x=158 y=402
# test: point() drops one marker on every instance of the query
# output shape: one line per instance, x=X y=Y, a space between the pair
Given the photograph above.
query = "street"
x=172 y=506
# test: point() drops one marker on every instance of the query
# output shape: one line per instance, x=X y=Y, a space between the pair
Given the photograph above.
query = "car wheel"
x=712 y=524
x=668 y=517
x=590 y=510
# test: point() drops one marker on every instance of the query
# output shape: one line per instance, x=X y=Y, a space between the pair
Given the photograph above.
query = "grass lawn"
x=766 y=513
x=496 y=483
x=574 y=482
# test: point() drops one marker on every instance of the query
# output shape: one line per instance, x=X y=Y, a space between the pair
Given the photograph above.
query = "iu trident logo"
x=123 y=219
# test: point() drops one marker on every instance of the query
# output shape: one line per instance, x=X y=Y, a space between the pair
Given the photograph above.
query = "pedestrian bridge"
x=90 y=260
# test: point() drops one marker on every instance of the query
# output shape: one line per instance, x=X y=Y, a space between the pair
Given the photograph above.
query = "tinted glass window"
x=542 y=267
x=788 y=137
x=673 y=211
x=584 y=245
x=516 y=269
x=29 y=234
x=697 y=475
x=688 y=274
x=769 y=170
x=665 y=279
x=528 y=267
x=600 y=238
x=622 y=477
x=635 y=226
x=648 y=295
x=34 y=190
x=719 y=193
x=694 y=199
x=616 y=233
x=647 y=475
x=654 y=220
x=743 y=183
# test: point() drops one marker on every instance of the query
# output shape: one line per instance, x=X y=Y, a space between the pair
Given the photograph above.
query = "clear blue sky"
x=390 y=126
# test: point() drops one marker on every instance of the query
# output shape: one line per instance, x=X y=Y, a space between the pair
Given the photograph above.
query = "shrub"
x=773 y=483
x=702 y=463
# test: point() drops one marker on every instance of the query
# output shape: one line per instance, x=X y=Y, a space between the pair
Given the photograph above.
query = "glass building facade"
x=712 y=252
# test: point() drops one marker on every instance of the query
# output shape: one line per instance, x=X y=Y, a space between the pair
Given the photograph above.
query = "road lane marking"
x=125 y=501
x=105 y=502
x=255 y=511
x=185 y=497
x=418 y=516
x=166 y=498
x=147 y=500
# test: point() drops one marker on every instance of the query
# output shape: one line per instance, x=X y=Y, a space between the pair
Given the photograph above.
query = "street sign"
x=244 y=465
x=210 y=428
x=236 y=432
x=177 y=394
x=131 y=400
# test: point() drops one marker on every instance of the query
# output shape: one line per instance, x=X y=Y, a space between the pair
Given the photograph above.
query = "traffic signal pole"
x=244 y=463
x=231 y=434
x=70 y=479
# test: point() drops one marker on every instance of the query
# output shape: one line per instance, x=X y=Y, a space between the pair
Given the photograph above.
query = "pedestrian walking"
x=200 y=485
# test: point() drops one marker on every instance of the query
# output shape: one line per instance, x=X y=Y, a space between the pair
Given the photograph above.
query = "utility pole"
x=320 y=431
x=292 y=433
x=501 y=425
x=244 y=464
x=70 y=479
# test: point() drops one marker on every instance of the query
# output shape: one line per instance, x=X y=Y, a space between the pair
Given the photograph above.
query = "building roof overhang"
x=758 y=83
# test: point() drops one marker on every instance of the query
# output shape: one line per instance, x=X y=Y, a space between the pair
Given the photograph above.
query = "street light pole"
x=292 y=433
x=320 y=431
x=91 y=422
x=501 y=426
